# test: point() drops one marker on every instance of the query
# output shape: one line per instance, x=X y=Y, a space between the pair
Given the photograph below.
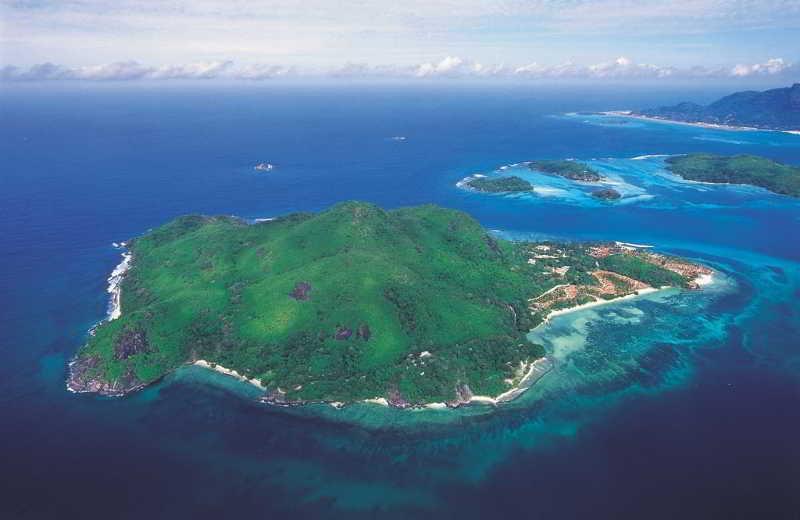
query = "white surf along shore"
x=115 y=290
x=712 y=126
x=115 y=285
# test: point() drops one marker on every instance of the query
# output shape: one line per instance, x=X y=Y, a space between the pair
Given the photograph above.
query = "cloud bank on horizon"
x=268 y=39
x=448 y=67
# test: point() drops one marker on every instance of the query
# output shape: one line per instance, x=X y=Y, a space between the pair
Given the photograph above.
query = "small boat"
x=264 y=167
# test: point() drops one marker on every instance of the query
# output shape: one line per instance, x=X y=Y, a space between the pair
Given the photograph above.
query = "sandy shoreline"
x=229 y=372
x=712 y=126
x=599 y=301
x=534 y=372
x=701 y=281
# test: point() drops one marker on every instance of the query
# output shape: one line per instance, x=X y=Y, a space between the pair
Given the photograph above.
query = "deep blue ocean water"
x=673 y=405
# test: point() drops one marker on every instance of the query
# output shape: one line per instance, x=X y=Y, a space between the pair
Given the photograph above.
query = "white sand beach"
x=711 y=126
x=229 y=372
x=599 y=301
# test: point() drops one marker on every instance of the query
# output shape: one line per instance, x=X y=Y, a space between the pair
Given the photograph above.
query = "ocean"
x=672 y=405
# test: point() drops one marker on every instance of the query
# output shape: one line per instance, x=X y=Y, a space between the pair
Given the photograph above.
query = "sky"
x=421 y=39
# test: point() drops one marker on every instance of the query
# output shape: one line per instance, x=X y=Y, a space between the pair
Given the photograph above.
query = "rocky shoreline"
x=534 y=372
x=82 y=376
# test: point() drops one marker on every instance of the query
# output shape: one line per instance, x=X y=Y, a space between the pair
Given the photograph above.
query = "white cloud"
x=122 y=70
x=260 y=71
x=205 y=70
x=535 y=70
x=447 y=66
x=116 y=71
x=621 y=68
x=364 y=70
x=325 y=33
x=42 y=71
x=770 y=67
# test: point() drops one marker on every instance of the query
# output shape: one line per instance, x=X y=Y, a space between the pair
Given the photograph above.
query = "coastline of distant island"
x=772 y=110
x=698 y=124
x=526 y=285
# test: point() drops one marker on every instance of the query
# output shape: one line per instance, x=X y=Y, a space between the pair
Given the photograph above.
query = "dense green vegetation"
x=335 y=306
x=572 y=170
x=738 y=169
x=639 y=269
x=499 y=184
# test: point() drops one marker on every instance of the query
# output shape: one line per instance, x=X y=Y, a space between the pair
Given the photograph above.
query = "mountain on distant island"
x=776 y=109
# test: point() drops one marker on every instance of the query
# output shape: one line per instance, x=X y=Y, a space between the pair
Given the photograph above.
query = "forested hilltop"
x=415 y=305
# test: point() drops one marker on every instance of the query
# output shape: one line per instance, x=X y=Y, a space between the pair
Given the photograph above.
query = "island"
x=409 y=307
x=607 y=194
x=775 y=109
x=738 y=169
x=572 y=170
x=498 y=184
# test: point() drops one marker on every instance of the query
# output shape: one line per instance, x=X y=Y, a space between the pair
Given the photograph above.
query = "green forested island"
x=414 y=305
x=499 y=184
x=572 y=170
x=738 y=169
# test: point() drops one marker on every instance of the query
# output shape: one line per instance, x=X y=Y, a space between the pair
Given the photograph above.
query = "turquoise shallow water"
x=674 y=404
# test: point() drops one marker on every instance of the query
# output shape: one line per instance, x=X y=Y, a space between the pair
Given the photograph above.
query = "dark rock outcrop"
x=343 y=333
x=396 y=399
x=301 y=291
x=364 y=332
x=84 y=376
x=463 y=395
x=606 y=194
x=129 y=343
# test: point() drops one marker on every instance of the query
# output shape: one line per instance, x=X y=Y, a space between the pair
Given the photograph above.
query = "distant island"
x=572 y=170
x=568 y=169
x=776 y=109
x=738 y=169
x=409 y=307
x=498 y=184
